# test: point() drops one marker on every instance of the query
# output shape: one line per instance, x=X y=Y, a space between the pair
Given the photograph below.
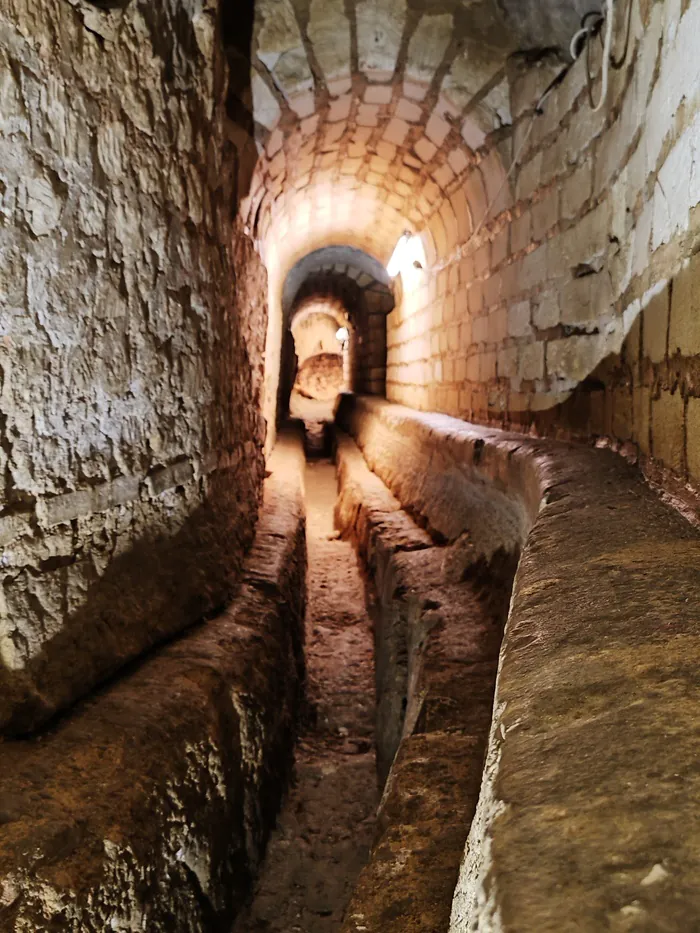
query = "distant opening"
x=335 y=304
x=321 y=334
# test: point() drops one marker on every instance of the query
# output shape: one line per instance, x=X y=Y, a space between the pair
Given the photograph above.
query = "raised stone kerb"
x=601 y=619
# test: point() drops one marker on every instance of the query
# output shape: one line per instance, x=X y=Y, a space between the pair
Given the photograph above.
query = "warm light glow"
x=398 y=256
x=342 y=334
x=408 y=256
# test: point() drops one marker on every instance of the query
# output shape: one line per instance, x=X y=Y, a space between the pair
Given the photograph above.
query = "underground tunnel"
x=349 y=466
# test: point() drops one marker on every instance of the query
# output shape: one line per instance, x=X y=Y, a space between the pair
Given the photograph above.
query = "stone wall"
x=132 y=326
x=573 y=310
x=369 y=376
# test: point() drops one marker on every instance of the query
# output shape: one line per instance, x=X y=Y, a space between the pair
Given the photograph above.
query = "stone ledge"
x=436 y=649
x=148 y=806
x=586 y=818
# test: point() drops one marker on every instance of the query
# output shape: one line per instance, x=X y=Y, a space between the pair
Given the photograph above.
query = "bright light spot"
x=408 y=256
x=342 y=334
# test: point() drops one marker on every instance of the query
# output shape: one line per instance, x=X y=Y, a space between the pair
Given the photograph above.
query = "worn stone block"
x=532 y=361
x=508 y=362
x=519 y=319
x=521 y=235
x=428 y=46
x=329 y=31
x=668 y=429
x=574 y=358
x=684 y=333
x=279 y=45
x=545 y=310
x=528 y=179
x=379 y=31
x=576 y=190
x=586 y=298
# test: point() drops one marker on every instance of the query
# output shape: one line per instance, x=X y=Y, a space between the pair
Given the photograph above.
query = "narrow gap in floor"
x=326 y=826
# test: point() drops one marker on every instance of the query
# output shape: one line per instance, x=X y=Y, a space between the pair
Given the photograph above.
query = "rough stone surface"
x=379 y=31
x=148 y=806
x=321 y=376
x=131 y=460
x=329 y=31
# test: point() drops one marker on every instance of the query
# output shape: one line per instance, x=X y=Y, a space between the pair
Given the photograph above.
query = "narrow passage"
x=325 y=829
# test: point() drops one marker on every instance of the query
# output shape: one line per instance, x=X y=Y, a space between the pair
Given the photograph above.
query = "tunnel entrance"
x=321 y=340
x=335 y=305
x=321 y=335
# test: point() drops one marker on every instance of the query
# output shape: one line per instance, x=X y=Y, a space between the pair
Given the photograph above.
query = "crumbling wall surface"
x=148 y=806
x=583 y=820
x=130 y=462
x=573 y=309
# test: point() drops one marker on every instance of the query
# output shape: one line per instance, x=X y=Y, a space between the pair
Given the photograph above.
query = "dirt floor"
x=324 y=832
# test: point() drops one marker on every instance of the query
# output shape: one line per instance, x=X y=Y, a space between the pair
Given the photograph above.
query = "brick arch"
x=373 y=119
x=363 y=190
x=360 y=303
x=327 y=304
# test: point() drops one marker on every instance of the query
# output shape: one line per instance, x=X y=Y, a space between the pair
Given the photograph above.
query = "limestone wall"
x=149 y=807
x=369 y=114
x=131 y=330
x=574 y=308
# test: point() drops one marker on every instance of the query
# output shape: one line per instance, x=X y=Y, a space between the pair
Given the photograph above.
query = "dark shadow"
x=237 y=21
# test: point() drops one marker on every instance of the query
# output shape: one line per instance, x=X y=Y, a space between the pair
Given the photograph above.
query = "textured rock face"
x=130 y=338
x=148 y=806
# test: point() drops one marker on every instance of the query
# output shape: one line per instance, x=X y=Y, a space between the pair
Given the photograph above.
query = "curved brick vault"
x=372 y=120
x=376 y=117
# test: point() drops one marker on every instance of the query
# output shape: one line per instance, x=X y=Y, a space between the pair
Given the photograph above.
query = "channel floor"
x=326 y=825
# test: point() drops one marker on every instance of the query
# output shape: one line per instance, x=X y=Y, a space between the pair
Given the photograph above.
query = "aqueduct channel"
x=422 y=657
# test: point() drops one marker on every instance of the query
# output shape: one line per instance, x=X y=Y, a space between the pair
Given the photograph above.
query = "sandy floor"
x=326 y=826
